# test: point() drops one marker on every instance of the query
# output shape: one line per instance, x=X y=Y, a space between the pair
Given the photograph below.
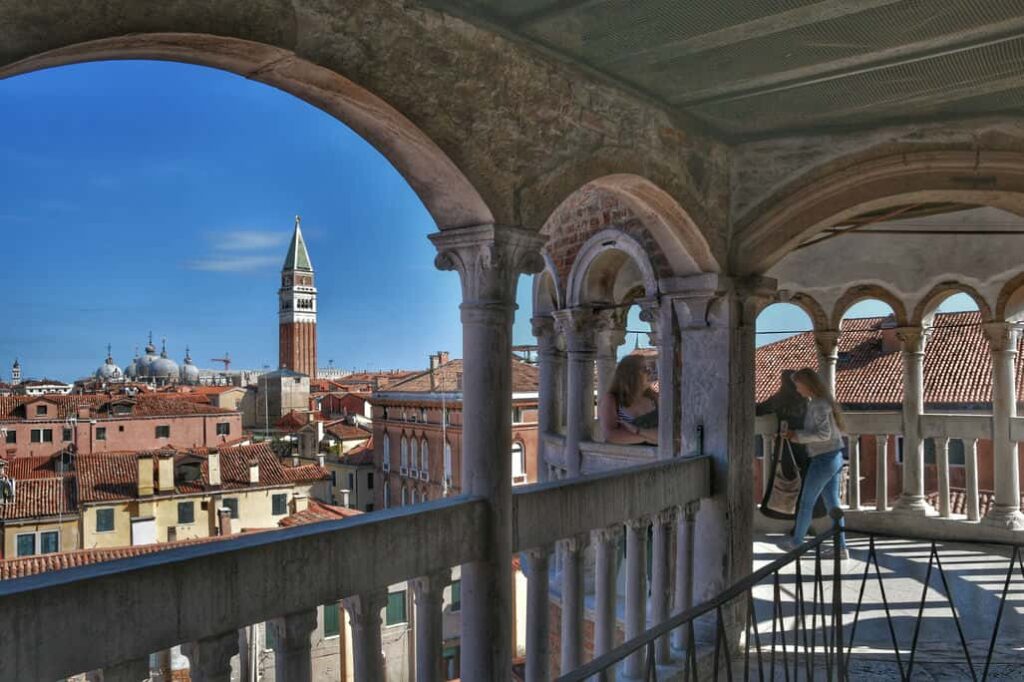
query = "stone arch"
x=819 y=199
x=547 y=291
x=810 y=306
x=258 y=41
x=609 y=268
x=1010 y=304
x=863 y=292
x=632 y=205
x=924 y=311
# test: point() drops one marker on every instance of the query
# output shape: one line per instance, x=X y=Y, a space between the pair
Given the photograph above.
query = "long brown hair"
x=812 y=380
x=630 y=375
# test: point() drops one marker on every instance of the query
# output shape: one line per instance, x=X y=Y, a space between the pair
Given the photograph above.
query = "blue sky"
x=138 y=196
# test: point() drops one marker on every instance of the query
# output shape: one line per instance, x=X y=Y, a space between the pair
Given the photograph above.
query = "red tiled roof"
x=20 y=468
x=957 y=365
x=318 y=511
x=107 y=477
x=359 y=455
x=35 y=497
x=447 y=377
x=343 y=431
x=293 y=421
x=182 y=404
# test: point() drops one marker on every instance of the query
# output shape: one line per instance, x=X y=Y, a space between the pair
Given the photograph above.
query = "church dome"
x=163 y=367
x=189 y=372
x=143 y=364
x=109 y=371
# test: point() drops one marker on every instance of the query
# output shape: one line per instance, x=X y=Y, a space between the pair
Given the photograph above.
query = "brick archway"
x=864 y=292
x=817 y=201
x=1010 y=305
x=939 y=293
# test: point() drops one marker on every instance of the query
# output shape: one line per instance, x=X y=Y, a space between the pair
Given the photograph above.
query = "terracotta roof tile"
x=343 y=431
x=318 y=511
x=957 y=365
x=447 y=377
x=36 y=497
x=359 y=455
x=182 y=404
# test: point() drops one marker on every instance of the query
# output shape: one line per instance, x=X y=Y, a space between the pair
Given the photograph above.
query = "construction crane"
x=226 y=360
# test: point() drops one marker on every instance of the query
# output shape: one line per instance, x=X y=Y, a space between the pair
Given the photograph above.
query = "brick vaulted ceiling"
x=752 y=68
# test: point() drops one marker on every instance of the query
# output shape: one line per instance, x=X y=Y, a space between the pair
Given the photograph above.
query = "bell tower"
x=297 y=309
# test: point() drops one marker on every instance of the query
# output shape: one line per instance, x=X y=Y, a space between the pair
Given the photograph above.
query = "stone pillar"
x=292 y=656
x=660 y=539
x=605 y=541
x=942 y=469
x=1005 y=512
x=827 y=343
x=428 y=593
x=135 y=670
x=572 y=604
x=636 y=593
x=882 y=472
x=578 y=325
x=971 y=473
x=667 y=341
x=853 y=485
x=551 y=367
x=683 y=596
x=538 y=616
x=609 y=334
x=364 y=615
x=912 y=498
x=209 y=660
x=489 y=260
x=717 y=319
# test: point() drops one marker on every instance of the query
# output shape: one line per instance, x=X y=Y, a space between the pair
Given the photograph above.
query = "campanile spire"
x=297 y=308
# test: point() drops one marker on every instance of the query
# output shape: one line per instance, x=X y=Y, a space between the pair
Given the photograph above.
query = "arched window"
x=387 y=494
x=518 y=463
x=405 y=454
x=448 y=463
x=386 y=460
x=424 y=458
x=414 y=457
x=415 y=496
x=405 y=496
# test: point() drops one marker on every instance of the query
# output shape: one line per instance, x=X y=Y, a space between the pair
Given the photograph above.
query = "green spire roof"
x=298 y=257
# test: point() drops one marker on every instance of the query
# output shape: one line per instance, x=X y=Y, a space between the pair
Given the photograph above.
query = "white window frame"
x=385 y=463
x=424 y=459
x=517 y=446
x=448 y=463
x=404 y=456
x=414 y=456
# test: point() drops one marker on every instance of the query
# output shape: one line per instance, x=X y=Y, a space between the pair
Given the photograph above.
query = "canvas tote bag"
x=785 y=491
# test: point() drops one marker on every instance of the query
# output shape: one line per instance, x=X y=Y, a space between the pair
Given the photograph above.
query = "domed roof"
x=163 y=367
x=143 y=364
x=189 y=372
x=109 y=371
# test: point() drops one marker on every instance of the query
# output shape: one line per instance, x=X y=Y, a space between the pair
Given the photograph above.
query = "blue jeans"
x=822 y=479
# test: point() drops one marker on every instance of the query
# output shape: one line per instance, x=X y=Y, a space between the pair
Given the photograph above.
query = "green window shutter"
x=457 y=595
x=396 y=609
x=332 y=621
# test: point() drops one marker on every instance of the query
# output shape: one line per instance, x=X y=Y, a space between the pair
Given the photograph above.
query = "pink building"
x=33 y=426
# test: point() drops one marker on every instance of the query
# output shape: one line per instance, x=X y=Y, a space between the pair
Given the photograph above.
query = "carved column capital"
x=689 y=511
x=489 y=259
x=364 y=609
x=605 y=535
x=667 y=516
x=639 y=524
x=544 y=330
x=913 y=338
x=431 y=585
x=609 y=330
x=573 y=544
x=579 y=326
x=650 y=312
x=827 y=342
x=1002 y=336
x=537 y=553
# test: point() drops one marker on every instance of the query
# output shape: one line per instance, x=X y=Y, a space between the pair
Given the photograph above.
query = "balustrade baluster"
x=853 y=482
x=662 y=529
x=572 y=603
x=882 y=472
x=538 y=646
x=971 y=472
x=942 y=467
x=428 y=592
x=683 y=598
x=636 y=592
x=209 y=659
x=364 y=615
x=605 y=543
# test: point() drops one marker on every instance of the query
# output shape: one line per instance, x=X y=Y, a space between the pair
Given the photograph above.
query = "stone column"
x=853 y=485
x=827 y=343
x=292 y=656
x=428 y=592
x=578 y=325
x=636 y=593
x=135 y=670
x=717 y=321
x=572 y=603
x=1005 y=512
x=489 y=260
x=942 y=469
x=882 y=472
x=551 y=367
x=209 y=659
x=605 y=541
x=660 y=539
x=971 y=473
x=661 y=316
x=538 y=616
x=912 y=498
x=683 y=596
x=609 y=334
x=364 y=615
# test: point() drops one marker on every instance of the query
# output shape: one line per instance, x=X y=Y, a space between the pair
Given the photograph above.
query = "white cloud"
x=234 y=263
x=248 y=240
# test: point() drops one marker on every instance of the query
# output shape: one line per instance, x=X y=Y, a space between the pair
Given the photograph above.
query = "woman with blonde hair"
x=628 y=412
x=823 y=436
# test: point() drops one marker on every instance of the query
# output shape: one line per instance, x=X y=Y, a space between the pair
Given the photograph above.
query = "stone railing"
x=111 y=616
x=599 y=457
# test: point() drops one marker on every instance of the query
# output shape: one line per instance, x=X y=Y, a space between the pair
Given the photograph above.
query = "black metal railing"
x=806 y=623
x=764 y=659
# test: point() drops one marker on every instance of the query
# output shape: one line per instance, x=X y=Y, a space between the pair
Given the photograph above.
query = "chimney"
x=213 y=468
x=458 y=381
x=442 y=357
x=890 y=338
x=346 y=497
x=300 y=503
x=320 y=459
x=435 y=361
x=84 y=412
x=254 y=471
x=165 y=480
x=145 y=463
x=224 y=520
